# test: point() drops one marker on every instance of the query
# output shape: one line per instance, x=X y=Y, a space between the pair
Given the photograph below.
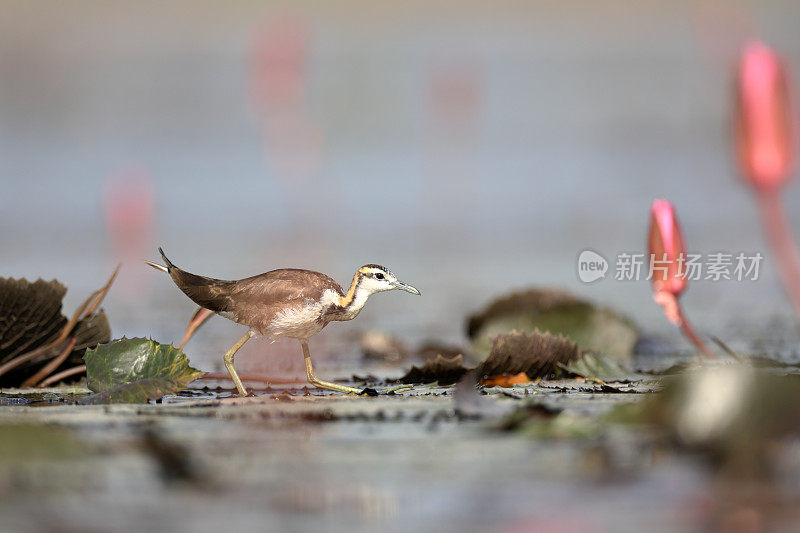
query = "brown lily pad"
x=536 y=354
x=517 y=357
x=30 y=314
x=590 y=326
x=36 y=339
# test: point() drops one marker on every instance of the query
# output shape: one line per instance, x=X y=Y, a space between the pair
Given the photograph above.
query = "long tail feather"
x=162 y=268
x=164 y=257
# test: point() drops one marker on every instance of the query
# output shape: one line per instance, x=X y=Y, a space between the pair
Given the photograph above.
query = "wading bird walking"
x=289 y=302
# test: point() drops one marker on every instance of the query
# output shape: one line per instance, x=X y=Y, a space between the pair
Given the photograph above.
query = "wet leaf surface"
x=140 y=391
x=590 y=326
x=126 y=361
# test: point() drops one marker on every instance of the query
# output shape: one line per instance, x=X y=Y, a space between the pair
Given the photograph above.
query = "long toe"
x=398 y=388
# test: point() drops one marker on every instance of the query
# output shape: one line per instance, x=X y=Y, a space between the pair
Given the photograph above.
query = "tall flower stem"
x=675 y=314
x=783 y=245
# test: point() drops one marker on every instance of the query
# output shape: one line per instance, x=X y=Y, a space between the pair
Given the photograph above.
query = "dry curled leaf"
x=36 y=339
x=445 y=371
x=30 y=314
x=515 y=358
x=536 y=354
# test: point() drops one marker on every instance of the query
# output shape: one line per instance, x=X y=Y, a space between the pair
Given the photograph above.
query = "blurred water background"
x=473 y=148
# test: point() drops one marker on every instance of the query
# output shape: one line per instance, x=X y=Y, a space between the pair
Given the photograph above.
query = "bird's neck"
x=353 y=301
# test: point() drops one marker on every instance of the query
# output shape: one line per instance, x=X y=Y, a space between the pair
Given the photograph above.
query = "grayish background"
x=472 y=149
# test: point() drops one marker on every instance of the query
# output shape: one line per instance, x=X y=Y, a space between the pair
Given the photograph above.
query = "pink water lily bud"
x=764 y=120
x=667 y=250
x=667 y=264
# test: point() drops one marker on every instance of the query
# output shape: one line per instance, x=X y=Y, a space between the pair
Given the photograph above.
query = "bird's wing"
x=257 y=300
x=283 y=286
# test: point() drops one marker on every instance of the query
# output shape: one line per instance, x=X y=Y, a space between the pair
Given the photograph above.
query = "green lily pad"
x=590 y=326
x=140 y=391
x=127 y=361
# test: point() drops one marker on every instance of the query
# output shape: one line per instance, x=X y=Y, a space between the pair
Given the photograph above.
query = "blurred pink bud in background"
x=129 y=203
x=764 y=122
x=293 y=140
x=129 y=206
x=280 y=53
x=667 y=251
x=766 y=136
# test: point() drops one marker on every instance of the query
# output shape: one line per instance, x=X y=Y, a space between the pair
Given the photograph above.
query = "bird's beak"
x=405 y=287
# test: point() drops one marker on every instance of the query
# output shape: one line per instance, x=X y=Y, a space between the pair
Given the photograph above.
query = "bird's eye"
x=379 y=275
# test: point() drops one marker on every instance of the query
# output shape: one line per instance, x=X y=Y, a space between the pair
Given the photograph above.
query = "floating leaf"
x=591 y=327
x=140 y=391
x=536 y=354
x=125 y=361
x=445 y=371
x=596 y=366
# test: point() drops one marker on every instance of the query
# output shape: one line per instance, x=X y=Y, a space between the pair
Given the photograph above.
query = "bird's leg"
x=318 y=382
x=228 y=358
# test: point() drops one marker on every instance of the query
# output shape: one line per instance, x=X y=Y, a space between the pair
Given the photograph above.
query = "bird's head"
x=377 y=278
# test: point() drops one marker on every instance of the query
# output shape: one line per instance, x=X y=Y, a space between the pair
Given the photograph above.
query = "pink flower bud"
x=764 y=123
x=667 y=250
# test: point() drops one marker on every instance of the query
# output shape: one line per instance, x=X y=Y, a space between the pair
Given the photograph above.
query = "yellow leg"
x=228 y=358
x=318 y=382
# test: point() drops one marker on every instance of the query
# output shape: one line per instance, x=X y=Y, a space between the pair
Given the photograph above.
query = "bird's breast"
x=298 y=321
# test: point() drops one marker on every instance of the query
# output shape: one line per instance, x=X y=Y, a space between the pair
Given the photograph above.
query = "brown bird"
x=289 y=302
